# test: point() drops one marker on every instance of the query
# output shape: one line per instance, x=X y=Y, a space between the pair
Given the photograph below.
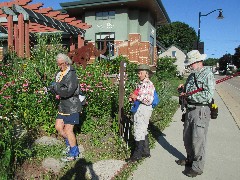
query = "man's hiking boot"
x=191 y=173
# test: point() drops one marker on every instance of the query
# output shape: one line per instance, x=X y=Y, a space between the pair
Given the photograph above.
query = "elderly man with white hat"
x=197 y=112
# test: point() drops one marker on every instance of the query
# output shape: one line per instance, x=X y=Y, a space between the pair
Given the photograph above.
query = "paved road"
x=223 y=155
x=230 y=93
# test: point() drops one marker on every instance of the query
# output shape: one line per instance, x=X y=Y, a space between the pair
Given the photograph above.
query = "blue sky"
x=220 y=36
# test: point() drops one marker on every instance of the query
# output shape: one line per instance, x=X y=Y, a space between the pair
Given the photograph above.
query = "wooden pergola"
x=20 y=20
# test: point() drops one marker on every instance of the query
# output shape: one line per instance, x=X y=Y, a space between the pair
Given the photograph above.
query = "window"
x=151 y=53
x=174 y=53
x=105 y=15
x=111 y=14
x=109 y=41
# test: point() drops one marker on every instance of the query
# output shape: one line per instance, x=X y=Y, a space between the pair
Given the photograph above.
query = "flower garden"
x=26 y=113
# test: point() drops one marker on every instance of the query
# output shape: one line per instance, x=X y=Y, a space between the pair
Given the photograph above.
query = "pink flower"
x=57 y=97
x=25 y=84
x=1 y=105
x=7 y=85
x=88 y=86
x=82 y=85
x=7 y=97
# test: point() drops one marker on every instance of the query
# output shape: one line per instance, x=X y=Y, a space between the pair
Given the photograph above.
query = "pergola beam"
x=47 y=21
x=21 y=20
x=3 y=29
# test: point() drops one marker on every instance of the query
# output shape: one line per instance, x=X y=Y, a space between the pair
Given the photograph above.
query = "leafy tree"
x=223 y=61
x=177 y=33
x=236 y=57
x=210 y=61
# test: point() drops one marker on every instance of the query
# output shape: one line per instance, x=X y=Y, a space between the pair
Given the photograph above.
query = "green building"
x=129 y=25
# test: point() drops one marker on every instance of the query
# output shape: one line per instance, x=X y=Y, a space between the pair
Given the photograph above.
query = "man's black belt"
x=198 y=104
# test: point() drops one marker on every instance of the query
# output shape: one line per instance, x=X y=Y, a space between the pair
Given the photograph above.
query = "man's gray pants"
x=195 y=135
x=141 y=121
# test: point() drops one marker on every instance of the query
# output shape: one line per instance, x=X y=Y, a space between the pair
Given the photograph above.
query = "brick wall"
x=135 y=50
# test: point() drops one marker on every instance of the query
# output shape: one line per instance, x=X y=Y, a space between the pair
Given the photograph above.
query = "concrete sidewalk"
x=223 y=151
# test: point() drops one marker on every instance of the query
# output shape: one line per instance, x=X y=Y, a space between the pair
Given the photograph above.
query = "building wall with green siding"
x=126 y=21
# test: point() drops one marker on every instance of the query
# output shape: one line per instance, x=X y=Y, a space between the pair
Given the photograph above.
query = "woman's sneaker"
x=68 y=159
x=66 y=151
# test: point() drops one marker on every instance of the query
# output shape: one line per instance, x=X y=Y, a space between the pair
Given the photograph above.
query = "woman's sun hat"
x=144 y=67
x=193 y=57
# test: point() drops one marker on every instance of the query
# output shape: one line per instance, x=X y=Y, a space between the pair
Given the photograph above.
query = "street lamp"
x=220 y=16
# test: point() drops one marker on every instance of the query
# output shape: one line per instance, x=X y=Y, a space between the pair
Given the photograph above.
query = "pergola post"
x=27 y=45
x=72 y=45
x=21 y=35
x=80 y=41
x=16 y=45
x=10 y=32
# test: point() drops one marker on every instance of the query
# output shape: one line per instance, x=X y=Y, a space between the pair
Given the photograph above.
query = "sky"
x=220 y=36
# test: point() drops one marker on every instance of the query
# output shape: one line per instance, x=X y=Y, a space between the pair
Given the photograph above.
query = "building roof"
x=173 y=45
x=155 y=6
x=40 y=19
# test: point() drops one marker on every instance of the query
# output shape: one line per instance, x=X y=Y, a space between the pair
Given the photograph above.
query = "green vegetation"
x=210 y=62
x=177 y=33
x=27 y=113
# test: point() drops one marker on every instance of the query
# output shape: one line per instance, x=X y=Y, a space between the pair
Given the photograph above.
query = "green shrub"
x=23 y=108
x=165 y=68
x=26 y=112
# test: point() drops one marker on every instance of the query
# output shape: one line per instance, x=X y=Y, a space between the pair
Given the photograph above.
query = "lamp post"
x=220 y=16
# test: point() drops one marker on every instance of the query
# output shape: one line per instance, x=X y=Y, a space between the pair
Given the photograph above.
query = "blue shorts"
x=69 y=119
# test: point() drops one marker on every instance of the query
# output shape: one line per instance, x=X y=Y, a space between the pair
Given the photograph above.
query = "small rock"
x=45 y=140
x=175 y=98
x=81 y=148
x=52 y=164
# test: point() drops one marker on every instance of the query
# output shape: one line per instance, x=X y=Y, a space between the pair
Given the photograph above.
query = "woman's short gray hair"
x=64 y=57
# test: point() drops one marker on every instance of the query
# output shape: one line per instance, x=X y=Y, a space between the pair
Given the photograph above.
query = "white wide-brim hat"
x=193 y=57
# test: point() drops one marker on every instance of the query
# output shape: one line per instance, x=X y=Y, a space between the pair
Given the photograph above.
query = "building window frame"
x=174 y=54
x=105 y=15
x=99 y=42
x=151 y=49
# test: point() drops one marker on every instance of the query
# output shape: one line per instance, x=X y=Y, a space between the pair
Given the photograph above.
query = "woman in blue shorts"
x=67 y=89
